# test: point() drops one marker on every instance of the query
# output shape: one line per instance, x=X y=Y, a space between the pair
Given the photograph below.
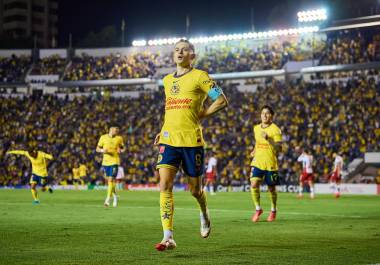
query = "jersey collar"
x=178 y=76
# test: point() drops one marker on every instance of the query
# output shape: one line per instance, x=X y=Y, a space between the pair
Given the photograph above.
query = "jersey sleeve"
x=208 y=85
x=101 y=142
x=277 y=137
x=47 y=156
x=17 y=152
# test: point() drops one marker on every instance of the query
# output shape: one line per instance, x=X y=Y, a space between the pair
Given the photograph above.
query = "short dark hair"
x=188 y=42
x=268 y=108
x=114 y=125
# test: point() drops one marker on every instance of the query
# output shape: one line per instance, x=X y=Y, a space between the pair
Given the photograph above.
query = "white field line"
x=188 y=209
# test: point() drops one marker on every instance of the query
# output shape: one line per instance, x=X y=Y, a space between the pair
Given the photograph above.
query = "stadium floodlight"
x=312 y=15
x=236 y=36
x=139 y=43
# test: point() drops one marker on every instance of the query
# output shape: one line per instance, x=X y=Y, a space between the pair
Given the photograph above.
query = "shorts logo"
x=159 y=159
x=162 y=149
x=166 y=134
x=175 y=88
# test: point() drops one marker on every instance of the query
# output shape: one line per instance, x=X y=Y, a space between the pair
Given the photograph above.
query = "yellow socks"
x=255 y=194
x=273 y=200
x=34 y=194
x=167 y=211
x=110 y=189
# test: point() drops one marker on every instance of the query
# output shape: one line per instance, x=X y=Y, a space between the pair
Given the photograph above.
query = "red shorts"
x=335 y=177
x=305 y=177
x=210 y=176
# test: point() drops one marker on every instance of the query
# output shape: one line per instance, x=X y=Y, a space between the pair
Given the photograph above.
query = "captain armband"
x=215 y=92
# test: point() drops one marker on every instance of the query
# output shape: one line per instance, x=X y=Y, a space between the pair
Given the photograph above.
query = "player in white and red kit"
x=211 y=174
x=307 y=173
x=336 y=175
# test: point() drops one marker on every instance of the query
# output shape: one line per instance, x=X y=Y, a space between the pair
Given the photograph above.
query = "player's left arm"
x=121 y=146
x=275 y=141
x=215 y=93
x=47 y=156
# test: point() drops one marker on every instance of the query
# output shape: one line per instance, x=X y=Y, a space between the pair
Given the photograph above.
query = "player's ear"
x=192 y=56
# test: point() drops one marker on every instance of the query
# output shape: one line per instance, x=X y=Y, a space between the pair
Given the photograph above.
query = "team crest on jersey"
x=175 y=88
x=159 y=159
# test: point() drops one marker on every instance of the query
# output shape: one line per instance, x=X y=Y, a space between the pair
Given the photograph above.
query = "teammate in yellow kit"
x=38 y=159
x=111 y=145
x=76 y=175
x=264 y=163
x=180 y=140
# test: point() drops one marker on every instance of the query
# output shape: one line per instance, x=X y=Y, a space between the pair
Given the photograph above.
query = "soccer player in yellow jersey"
x=264 y=163
x=83 y=172
x=180 y=140
x=111 y=145
x=76 y=175
x=38 y=159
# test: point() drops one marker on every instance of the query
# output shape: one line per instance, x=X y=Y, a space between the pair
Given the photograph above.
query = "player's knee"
x=255 y=185
x=272 y=189
x=196 y=193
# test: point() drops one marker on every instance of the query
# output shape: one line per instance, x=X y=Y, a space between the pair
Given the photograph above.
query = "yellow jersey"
x=265 y=157
x=39 y=164
x=82 y=170
x=76 y=174
x=184 y=98
x=112 y=145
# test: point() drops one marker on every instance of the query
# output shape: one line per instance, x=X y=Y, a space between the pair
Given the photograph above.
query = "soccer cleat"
x=106 y=203
x=115 y=201
x=272 y=216
x=50 y=190
x=256 y=216
x=300 y=196
x=312 y=196
x=205 y=225
x=337 y=195
x=36 y=202
x=167 y=244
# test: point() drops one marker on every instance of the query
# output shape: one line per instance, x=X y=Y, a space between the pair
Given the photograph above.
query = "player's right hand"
x=252 y=153
x=157 y=139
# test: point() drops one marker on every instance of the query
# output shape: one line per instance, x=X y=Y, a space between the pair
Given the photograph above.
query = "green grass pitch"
x=73 y=227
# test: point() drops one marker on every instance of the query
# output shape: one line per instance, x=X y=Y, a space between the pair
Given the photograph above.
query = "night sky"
x=154 y=19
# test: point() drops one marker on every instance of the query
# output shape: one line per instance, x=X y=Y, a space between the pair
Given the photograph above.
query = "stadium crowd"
x=13 y=69
x=339 y=117
x=115 y=66
x=51 y=65
x=342 y=47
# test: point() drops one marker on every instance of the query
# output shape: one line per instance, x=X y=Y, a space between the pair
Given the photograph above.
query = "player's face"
x=114 y=131
x=266 y=116
x=33 y=153
x=183 y=55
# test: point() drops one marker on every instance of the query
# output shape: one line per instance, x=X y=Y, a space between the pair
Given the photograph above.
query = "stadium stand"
x=321 y=115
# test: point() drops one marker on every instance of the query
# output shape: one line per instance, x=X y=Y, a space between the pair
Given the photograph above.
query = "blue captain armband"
x=215 y=92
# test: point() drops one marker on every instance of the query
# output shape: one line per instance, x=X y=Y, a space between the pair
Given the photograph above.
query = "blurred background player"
x=76 y=175
x=111 y=145
x=83 y=173
x=307 y=173
x=38 y=159
x=181 y=140
x=336 y=175
x=120 y=178
x=211 y=173
x=264 y=163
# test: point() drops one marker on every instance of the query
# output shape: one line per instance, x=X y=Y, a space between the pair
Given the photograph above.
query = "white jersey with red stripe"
x=212 y=162
x=307 y=163
x=120 y=173
x=338 y=164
